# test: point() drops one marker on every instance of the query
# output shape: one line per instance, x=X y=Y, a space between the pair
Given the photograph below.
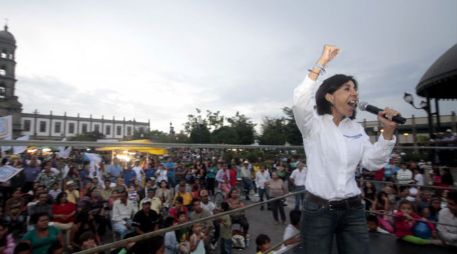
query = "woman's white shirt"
x=334 y=152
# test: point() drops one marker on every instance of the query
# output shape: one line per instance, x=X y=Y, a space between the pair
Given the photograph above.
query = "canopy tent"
x=143 y=149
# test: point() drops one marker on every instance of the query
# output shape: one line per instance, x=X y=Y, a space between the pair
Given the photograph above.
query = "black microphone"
x=375 y=110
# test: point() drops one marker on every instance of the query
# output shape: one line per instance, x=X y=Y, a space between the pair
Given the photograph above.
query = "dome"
x=6 y=36
x=440 y=80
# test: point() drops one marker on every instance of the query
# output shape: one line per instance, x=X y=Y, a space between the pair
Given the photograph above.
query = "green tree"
x=244 y=128
x=200 y=134
x=224 y=135
x=273 y=132
x=293 y=134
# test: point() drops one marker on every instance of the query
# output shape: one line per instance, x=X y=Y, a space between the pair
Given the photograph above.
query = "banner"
x=6 y=130
x=7 y=172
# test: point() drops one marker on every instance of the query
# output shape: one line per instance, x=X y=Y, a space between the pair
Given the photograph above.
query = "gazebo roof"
x=440 y=80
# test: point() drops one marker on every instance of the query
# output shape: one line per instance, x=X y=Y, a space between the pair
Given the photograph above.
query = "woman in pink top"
x=276 y=188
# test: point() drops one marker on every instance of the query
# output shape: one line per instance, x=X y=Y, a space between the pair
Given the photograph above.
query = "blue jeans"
x=319 y=225
x=226 y=246
x=299 y=198
x=247 y=182
x=263 y=193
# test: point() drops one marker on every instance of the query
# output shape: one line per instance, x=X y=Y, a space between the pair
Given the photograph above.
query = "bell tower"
x=9 y=103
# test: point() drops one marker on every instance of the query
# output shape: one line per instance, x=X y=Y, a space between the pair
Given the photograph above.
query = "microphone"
x=375 y=110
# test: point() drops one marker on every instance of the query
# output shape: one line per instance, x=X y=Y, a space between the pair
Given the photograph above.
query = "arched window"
x=2 y=90
x=4 y=53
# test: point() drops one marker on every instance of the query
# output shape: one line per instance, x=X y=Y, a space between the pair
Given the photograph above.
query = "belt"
x=352 y=202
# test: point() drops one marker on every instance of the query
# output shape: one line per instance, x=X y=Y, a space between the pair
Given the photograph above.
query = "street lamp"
x=408 y=98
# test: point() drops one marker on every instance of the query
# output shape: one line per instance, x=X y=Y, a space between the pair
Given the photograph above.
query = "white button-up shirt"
x=299 y=176
x=333 y=151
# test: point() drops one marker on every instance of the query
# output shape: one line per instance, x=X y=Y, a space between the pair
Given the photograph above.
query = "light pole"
x=425 y=105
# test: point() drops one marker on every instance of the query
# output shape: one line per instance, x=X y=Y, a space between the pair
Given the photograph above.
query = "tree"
x=88 y=136
x=224 y=135
x=293 y=134
x=200 y=134
x=273 y=132
x=243 y=127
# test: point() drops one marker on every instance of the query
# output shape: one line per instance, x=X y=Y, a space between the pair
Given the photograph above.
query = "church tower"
x=9 y=104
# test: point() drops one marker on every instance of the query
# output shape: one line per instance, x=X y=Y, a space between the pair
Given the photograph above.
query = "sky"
x=159 y=60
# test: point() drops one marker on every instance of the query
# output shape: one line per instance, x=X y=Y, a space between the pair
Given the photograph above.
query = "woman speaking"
x=335 y=144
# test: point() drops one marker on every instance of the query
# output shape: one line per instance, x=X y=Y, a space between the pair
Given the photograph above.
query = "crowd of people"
x=59 y=205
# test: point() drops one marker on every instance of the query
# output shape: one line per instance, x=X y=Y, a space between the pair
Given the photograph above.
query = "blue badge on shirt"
x=354 y=136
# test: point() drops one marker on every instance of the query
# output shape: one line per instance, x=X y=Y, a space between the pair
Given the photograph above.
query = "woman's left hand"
x=385 y=117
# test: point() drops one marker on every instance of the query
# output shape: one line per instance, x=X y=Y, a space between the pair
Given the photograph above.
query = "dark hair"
x=36 y=216
x=22 y=246
x=372 y=218
x=179 y=199
x=155 y=243
x=295 y=217
x=225 y=206
x=59 y=197
x=405 y=202
x=86 y=236
x=330 y=85
x=261 y=240
x=452 y=195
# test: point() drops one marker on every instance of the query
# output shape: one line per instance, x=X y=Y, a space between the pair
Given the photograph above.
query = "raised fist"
x=328 y=53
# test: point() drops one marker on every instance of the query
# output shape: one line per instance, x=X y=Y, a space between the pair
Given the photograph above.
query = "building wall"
x=58 y=127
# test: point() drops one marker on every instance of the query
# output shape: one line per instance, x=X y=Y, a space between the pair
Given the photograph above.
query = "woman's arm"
x=304 y=94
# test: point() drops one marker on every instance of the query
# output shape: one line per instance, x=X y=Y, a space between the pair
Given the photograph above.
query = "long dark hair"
x=330 y=85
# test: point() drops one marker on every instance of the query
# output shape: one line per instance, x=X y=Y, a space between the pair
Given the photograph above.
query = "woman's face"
x=274 y=175
x=343 y=100
x=42 y=222
x=406 y=208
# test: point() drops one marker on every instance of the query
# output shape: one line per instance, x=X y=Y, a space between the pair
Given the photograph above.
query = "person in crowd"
x=419 y=177
x=42 y=206
x=373 y=225
x=197 y=239
x=276 y=187
x=447 y=229
x=55 y=191
x=129 y=176
x=177 y=208
x=261 y=178
x=437 y=178
x=161 y=174
x=31 y=171
x=146 y=219
x=16 y=201
x=171 y=172
x=298 y=179
x=165 y=194
x=88 y=241
x=139 y=172
x=7 y=242
x=232 y=173
x=405 y=219
x=390 y=170
x=222 y=178
x=107 y=189
x=183 y=234
x=73 y=176
x=205 y=202
x=120 y=185
x=263 y=243
x=291 y=236
x=156 y=203
x=182 y=192
x=114 y=170
x=335 y=144
x=123 y=211
x=71 y=191
x=47 y=177
x=63 y=213
x=446 y=178
x=198 y=212
x=245 y=174
x=225 y=224
x=369 y=194
x=233 y=199
x=171 y=242
x=133 y=195
x=56 y=248
x=404 y=175
x=84 y=175
x=434 y=208
x=42 y=236
x=211 y=177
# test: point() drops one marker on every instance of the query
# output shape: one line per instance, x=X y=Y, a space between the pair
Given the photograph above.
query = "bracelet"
x=320 y=67
x=310 y=70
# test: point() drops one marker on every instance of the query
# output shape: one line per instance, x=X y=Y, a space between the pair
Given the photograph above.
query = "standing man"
x=245 y=174
x=261 y=179
x=298 y=178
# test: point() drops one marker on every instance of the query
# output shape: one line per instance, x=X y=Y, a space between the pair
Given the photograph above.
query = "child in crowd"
x=225 y=230
x=373 y=225
x=182 y=234
x=263 y=243
x=196 y=240
x=405 y=221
